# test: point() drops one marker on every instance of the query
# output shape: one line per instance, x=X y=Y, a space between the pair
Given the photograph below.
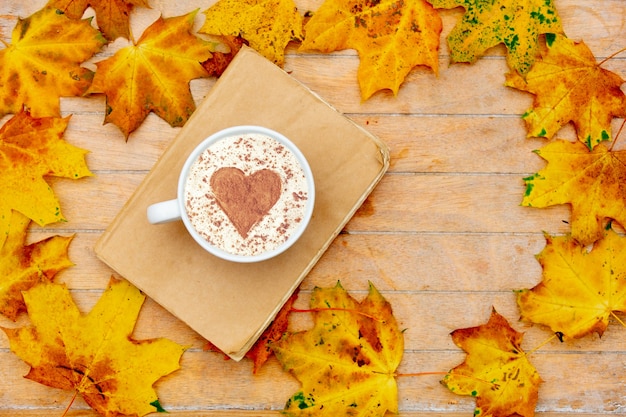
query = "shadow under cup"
x=245 y=194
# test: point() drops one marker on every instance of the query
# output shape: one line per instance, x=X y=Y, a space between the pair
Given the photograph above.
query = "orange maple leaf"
x=153 y=75
x=23 y=266
x=496 y=371
x=31 y=149
x=347 y=362
x=592 y=182
x=43 y=62
x=267 y=25
x=113 y=16
x=515 y=23
x=94 y=354
x=569 y=85
x=391 y=36
x=581 y=288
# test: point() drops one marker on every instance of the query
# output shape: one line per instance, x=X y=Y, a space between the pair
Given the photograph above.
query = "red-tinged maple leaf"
x=496 y=371
x=580 y=288
x=591 y=182
x=22 y=266
x=94 y=354
x=113 y=16
x=43 y=63
x=347 y=362
x=570 y=86
x=391 y=36
x=153 y=75
x=30 y=150
x=217 y=64
x=515 y=23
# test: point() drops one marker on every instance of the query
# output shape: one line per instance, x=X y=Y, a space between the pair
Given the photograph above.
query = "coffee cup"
x=245 y=194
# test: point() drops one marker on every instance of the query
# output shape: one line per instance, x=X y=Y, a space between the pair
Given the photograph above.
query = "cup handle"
x=164 y=212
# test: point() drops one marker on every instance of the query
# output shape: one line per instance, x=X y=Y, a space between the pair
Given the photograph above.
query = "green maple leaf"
x=515 y=23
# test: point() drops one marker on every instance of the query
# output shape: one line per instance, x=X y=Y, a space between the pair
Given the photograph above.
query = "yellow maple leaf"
x=30 y=149
x=515 y=23
x=23 y=266
x=113 y=16
x=580 y=288
x=153 y=75
x=496 y=370
x=391 y=36
x=570 y=86
x=42 y=63
x=94 y=354
x=591 y=182
x=267 y=25
x=347 y=361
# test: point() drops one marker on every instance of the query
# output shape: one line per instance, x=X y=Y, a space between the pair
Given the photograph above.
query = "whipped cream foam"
x=208 y=208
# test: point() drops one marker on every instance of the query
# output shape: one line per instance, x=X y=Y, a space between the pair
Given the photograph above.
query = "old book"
x=231 y=304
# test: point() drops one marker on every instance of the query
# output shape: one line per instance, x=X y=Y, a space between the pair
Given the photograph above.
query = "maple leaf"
x=496 y=371
x=569 y=85
x=267 y=25
x=515 y=23
x=23 y=266
x=391 y=37
x=580 y=288
x=42 y=63
x=153 y=75
x=591 y=182
x=94 y=354
x=347 y=361
x=217 y=64
x=113 y=16
x=30 y=149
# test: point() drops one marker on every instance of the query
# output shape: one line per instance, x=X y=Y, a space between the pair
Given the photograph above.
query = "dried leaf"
x=580 y=289
x=94 y=353
x=267 y=25
x=347 y=362
x=113 y=16
x=153 y=75
x=391 y=36
x=591 y=182
x=496 y=371
x=515 y=23
x=217 y=64
x=43 y=63
x=30 y=149
x=23 y=266
x=569 y=85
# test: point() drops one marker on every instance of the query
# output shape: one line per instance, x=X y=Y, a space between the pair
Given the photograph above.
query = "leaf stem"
x=620 y=321
x=422 y=374
x=6 y=45
x=617 y=135
x=70 y=404
x=611 y=56
x=542 y=344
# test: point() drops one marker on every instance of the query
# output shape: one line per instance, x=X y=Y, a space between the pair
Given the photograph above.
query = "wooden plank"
x=208 y=382
x=443 y=237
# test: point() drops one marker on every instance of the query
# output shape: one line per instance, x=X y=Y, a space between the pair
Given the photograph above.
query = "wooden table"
x=443 y=237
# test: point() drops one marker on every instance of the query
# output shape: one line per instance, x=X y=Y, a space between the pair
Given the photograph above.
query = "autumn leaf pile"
x=348 y=360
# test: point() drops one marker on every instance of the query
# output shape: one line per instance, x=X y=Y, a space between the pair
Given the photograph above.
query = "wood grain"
x=443 y=236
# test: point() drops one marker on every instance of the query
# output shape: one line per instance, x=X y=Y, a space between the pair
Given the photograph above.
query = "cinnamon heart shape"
x=245 y=199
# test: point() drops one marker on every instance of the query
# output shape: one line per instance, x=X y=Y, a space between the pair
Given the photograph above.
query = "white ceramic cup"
x=172 y=210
